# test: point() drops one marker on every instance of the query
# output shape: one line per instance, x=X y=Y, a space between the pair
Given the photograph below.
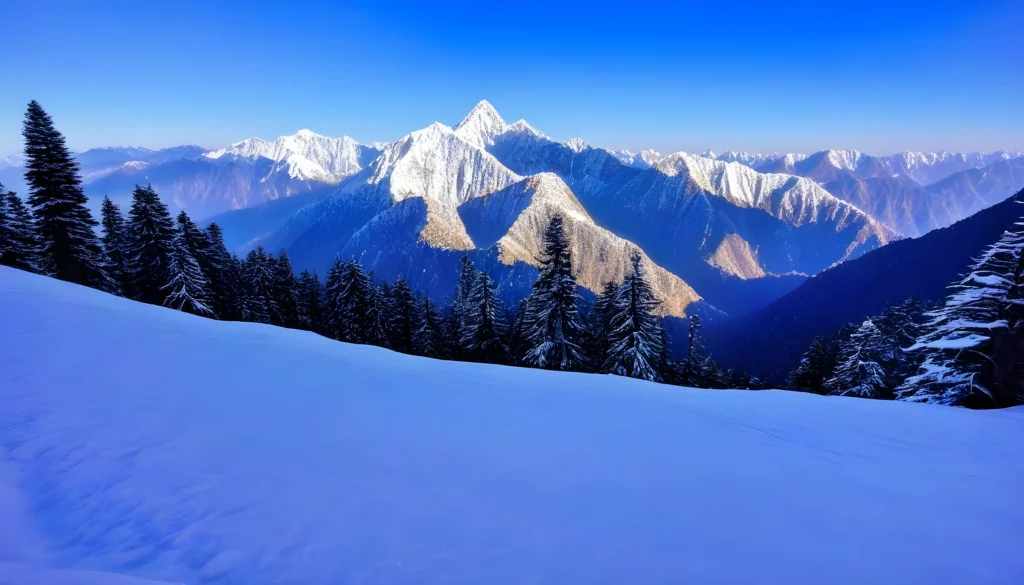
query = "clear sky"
x=759 y=76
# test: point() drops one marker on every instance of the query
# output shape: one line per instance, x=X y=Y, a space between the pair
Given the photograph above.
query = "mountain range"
x=730 y=232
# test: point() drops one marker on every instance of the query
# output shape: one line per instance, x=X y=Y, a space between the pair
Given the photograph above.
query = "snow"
x=156 y=445
x=304 y=155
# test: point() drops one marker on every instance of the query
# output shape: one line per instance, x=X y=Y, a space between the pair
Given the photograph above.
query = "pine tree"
x=18 y=245
x=693 y=369
x=287 y=287
x=353 y=297
x=224 y=282
x=260 y=277
x=310 y=302
x=333 y=319
x=187 y=289
x=429 y=338
x=404 y=318
x=115 y=246
x=555 y=334
x=230 y=305
x=601 y=325
x=69 y=249
x=517 y=342
x=636 y=331
x=858 y=372
x=816 y=367
x=150 y=245
x=483 y=333
x=970 y=345
x=378 y=314
x=460 y=305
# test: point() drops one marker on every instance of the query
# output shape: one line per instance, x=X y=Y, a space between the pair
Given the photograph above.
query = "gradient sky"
x=764 y=76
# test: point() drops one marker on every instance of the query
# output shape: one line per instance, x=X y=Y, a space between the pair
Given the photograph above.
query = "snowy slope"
x=163 y=446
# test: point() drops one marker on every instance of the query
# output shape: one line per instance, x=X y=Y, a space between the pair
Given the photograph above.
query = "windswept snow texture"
x=153 y=444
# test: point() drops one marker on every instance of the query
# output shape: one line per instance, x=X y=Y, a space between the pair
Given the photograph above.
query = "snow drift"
x=143 y=444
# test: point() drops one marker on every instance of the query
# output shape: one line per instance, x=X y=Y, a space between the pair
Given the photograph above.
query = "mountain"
x=436 y=195
x=144 y=442
x=769 y=343
x=909 y=192
x=207 y=183
x=644 y=159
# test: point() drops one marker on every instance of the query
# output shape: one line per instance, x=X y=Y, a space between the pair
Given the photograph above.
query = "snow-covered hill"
x=138 y=442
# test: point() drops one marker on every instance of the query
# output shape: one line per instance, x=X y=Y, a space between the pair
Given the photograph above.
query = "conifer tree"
x=18 y=245
x=215 y=262
x=287 y=291
x=150 y=245
x=260 y=276
x=858 y=372
x=378 y=312
x=115 y=246
x=187 y=288
x=970 y=347
x=601 y=325
x=517 y=342
x=554 y=332
x=230 y=290
x=333 y=309
x=311 y=302
x=692 y=373
x=403 y=317
x=636 y=331
x=355 y=313
x=429 y=338
x=483 y=334
x=816 y=367
x=69 y=249
x=460 y=305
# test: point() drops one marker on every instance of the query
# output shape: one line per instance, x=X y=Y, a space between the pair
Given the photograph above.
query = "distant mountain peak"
x=481 y=125
x=576 y=144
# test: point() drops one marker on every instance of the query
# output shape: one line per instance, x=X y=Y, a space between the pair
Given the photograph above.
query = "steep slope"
x=681 y=211
x=260 y=455
x=770 y=342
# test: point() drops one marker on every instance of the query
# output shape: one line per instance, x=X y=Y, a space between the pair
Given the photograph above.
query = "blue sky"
x=759 y=76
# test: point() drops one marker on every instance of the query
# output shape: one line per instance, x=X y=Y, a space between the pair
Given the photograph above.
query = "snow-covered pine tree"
x=600 y=320
x=816 y=367
x=484 y=331
x=68 y=246
x=554 y=331
x=460 y=305
x=403 y=316
x=115 y=246
x=18 y=245
x=215 y=260
x=429 y=338
x=332 y=300
x=858 y=372
x=636 y=340
x=692 y=372
x=970 y=346
x=310 y=302
x=379 y=310
x=232 y=291
x=287 y=291
x=260 y=275
x=150 y=235
x=353 y=297
x=187 y=289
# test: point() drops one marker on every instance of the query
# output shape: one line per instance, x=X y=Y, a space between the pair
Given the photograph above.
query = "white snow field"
x=142 y=445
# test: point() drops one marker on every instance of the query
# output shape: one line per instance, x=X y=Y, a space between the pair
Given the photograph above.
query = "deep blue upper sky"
x=763 y=76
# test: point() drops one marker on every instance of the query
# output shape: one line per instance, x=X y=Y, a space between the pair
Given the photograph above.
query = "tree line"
x=967 y=352
x=149 y=256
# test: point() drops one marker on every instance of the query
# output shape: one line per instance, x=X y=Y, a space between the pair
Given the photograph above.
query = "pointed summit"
x=481 y=125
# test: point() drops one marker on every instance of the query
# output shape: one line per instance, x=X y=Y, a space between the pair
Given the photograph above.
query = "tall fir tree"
x=378 y=315
x=460 y=305
x=311 y=302
x=692 y=373
x=636 y=330
x=555 y=333
x=517 y=342
x=404 y=317
x=187 y=288
x=260 y=277
x=970 y=347
x=816 y=367
x=115 y=245
x=333 y=300
x=150 y=245
x=484 y=330
x=215 y=262
x=18 y=245
x=287 y=292
x=429 y=338
x=858 y=370
x=230 y=290
x=600 y=320
x=352 y=295
x=69 y=249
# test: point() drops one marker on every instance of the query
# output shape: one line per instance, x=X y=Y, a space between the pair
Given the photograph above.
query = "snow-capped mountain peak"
x=523 y=127
x=644 y=159
x=844 y=159
x=576 y=144
x=305 y=155
x=481 y=125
